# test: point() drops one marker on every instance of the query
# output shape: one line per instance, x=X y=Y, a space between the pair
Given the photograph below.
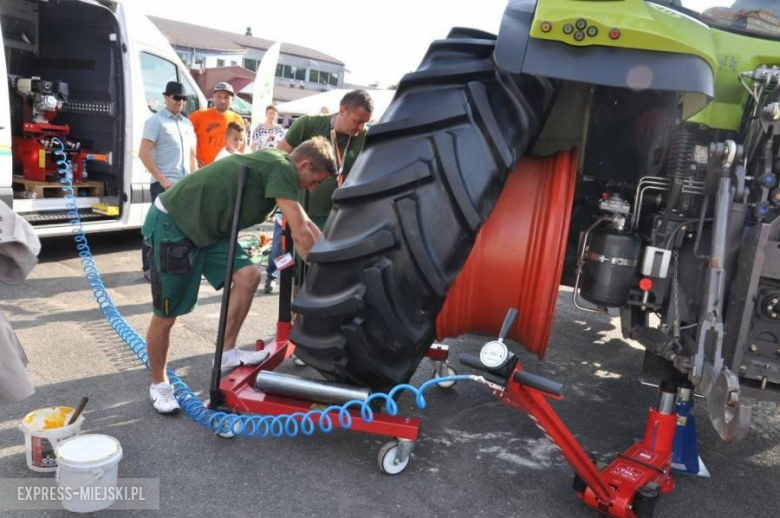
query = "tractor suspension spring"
x=680 y=153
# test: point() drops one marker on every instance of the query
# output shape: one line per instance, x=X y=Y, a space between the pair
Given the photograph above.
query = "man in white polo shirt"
x=167 y=148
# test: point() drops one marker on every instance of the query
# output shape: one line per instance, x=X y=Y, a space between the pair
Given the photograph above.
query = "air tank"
x=610 y=263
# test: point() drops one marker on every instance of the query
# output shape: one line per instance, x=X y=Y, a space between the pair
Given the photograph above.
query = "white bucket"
x=44 y=429
x=87 y=469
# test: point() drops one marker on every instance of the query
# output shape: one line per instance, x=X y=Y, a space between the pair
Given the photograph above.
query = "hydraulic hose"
x=289 y=425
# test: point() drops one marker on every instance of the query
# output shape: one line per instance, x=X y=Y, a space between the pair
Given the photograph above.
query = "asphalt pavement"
x=476 y=457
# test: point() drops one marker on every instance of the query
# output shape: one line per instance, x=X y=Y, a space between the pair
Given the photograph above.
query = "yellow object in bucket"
x=48 y=418
x=44 y=429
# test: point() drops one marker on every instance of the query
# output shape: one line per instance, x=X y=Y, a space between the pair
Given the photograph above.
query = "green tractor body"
x=639 y=25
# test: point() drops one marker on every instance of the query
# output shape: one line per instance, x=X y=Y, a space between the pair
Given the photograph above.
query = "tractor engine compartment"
x=678 y=221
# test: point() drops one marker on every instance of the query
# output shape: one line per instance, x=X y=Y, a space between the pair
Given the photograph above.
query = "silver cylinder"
x=666 y=403
x=307 y=389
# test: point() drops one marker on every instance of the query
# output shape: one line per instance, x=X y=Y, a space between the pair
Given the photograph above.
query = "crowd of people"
x=194 y=162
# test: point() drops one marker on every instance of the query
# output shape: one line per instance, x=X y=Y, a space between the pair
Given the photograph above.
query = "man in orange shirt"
x=211 y=124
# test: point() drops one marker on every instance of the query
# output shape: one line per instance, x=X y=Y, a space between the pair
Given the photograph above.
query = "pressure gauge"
x=493 y=355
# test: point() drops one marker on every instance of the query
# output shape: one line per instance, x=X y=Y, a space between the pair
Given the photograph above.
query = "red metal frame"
x=438 y=352
x=611 y=491
x=36 y=160
x=38 y=129
x=240 y=396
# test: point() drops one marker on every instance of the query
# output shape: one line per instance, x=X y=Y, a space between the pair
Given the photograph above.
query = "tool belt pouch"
x=176 y=257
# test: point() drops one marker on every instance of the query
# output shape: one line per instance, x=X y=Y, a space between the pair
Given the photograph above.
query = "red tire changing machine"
x=238 y=391
x=628 y=487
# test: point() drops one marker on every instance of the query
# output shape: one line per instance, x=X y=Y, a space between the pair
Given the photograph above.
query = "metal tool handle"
x=301 y=274
x=509 y=321
x=474 y=362
x=79 y=409
x=539 y=383
x=216 y=371
x=286 y=280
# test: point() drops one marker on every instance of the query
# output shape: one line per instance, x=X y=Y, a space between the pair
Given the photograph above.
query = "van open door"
x=6 y=162
x=64 y=93
x=86 y=73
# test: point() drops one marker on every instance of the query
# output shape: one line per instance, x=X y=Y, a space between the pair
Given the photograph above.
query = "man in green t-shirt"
x=189 y=227
x=346 y=131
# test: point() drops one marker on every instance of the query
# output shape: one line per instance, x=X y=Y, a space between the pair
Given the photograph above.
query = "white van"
x=115 y=63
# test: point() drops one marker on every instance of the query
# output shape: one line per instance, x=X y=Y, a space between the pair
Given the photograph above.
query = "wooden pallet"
x=54 y=189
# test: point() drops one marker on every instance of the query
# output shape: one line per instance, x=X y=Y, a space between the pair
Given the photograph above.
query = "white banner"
x=264 y=84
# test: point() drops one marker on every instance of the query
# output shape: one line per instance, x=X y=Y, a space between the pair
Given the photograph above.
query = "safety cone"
x=685 y=452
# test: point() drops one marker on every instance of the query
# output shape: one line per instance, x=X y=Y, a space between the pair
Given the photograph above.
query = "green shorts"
x=177 y=265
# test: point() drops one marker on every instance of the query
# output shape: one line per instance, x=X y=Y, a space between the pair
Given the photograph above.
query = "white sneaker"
x=163 y=399
x=242 y=357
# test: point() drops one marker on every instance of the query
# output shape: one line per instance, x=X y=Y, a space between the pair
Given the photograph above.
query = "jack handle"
x=540 y=383
x=521 y=377
x=509 y=321
x=470 y=360
x=216 y=372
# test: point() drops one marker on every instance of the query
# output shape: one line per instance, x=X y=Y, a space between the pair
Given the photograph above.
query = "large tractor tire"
x=404 y=222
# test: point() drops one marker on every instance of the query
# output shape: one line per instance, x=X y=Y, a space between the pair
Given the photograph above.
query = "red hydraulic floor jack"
x=629 y=486
x=260 y=391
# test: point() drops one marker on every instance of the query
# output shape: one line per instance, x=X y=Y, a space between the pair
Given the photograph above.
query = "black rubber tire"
x=405 y=221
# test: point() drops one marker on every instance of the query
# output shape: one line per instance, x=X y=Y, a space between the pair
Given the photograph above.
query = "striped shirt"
x=265 y=137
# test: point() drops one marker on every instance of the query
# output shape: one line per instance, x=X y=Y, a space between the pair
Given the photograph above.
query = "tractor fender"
x=619 y=67
x=517 y=52
x=513 y=35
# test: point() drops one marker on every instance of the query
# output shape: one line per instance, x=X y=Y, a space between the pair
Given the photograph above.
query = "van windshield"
x=754 y=17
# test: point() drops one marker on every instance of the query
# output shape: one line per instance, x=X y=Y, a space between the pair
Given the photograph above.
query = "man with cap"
x=211 y=124
x=167 y=148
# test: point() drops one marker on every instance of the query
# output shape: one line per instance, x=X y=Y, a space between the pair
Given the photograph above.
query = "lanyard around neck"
x=339 y=159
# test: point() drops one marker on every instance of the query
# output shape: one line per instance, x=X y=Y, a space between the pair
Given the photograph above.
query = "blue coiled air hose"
x=289 y=425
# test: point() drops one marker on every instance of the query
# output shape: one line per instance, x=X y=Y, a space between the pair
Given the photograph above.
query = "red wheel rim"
x=518 y=256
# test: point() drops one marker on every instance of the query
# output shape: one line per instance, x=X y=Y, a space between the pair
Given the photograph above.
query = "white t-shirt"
x=223 y=153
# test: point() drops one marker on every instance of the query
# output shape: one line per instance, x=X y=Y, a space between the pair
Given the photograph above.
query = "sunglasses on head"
x=178 y=97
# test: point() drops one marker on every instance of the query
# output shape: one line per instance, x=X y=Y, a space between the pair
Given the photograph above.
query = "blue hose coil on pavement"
x=289 y=425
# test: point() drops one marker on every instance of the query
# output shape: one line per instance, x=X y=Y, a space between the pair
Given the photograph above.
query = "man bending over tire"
x=189 y=226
